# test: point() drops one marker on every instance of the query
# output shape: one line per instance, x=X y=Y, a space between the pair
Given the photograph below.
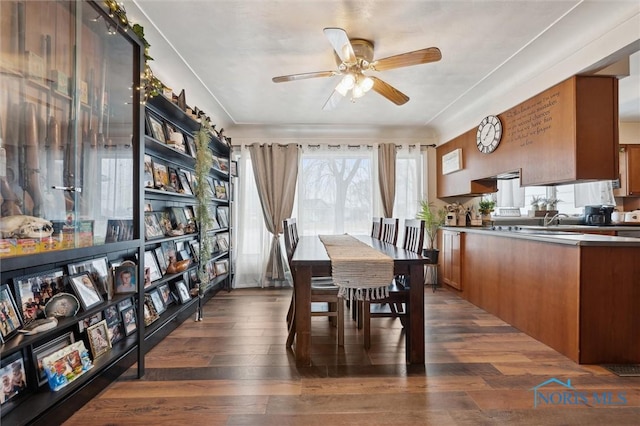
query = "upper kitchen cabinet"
x=566 y=134
x=629 y=171
x=70 y=124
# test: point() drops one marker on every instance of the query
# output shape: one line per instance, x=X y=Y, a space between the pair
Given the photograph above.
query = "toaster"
x=632 y=217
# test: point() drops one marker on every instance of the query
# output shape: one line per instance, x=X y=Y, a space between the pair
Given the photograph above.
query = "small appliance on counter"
x=598 y=215
x=632 y=217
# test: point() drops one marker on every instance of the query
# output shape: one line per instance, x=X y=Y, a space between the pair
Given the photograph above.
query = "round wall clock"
x=489 y=134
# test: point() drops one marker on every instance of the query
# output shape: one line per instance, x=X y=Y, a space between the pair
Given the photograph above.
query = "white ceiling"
x=495 y=54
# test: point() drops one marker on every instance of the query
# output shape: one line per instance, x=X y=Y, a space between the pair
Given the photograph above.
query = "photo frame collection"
x=165 y=132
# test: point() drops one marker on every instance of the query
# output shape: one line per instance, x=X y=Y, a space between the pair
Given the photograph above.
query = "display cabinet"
x=70 y=205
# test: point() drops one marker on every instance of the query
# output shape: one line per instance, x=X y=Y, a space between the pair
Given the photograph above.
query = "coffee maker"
x=597 y=215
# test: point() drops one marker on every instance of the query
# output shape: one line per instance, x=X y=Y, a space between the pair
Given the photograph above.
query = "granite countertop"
x=559 y=234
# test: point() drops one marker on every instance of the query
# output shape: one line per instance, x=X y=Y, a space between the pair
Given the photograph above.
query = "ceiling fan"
x=355 y=58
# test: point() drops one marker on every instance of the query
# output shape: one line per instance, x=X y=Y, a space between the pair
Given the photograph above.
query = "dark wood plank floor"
x=233 y=368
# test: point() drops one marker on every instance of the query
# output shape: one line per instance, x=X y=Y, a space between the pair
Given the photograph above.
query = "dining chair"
x=376 y=227
x=323 y=290
x=389 y=230
x=399 y=287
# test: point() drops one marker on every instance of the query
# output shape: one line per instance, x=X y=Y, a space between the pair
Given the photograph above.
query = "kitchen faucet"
x=546 y=221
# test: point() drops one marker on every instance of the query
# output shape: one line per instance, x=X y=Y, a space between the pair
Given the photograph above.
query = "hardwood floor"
x=233 y=368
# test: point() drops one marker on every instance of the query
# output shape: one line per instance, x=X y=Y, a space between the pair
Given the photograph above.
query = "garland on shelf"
x=204 y=162
x=151 y=84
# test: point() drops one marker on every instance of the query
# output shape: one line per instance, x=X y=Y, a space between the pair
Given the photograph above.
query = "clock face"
x=489 y=134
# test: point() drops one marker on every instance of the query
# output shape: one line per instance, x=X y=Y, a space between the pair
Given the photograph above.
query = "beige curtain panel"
x=276 y=171
x=387 y=176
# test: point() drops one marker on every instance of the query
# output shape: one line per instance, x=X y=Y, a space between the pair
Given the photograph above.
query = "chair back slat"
x=413 y=235
x=376 y=227
x=290 y=236
x=389 y=232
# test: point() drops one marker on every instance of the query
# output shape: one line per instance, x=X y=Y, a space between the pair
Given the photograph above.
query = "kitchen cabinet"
x=452 y=246
x=629 y=171
x=70 y=129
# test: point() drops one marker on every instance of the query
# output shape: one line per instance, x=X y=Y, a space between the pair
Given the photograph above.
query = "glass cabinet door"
x=67 y=109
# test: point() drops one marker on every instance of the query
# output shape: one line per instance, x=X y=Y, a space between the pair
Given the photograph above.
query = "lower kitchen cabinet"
x=452 y=245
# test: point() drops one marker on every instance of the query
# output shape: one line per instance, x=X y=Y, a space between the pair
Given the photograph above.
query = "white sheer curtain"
x=253 y=239
x=409 y=184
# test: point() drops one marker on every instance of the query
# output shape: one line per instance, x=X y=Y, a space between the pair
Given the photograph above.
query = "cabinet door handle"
x=67 y=188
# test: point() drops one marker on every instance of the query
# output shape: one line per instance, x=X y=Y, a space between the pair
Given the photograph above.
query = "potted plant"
x=485 y=207
x=433 y=219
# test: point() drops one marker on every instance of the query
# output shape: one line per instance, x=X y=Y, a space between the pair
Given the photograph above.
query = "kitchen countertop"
x=559 y=234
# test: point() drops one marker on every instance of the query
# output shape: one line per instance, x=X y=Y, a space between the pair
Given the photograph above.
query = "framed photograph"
x=116 y=332
x=191 y=144
x=224 y=164
x=98 y=269
x=99 y=341
x=148 y=172
x=175 y=138
x=185 y=186
x=178 y=218
x=151 y=263
x=157 y=300
x=89 y=321
x=157 y=128
x=34 y=290
x=66 y=365
x=111 y=315
x=233 y=168
x=125 y=278
x=14 y=378
x=160 y=174
x=211 y=270
x=222 y=267
x=119 y=230
x=164 y=219
x=152 y=229
x=174 y=181
x=194 y=280
x=219 y=188
x=223 y=241
x=150 y=314
x=183 y=291
x=10 y=321
x=86 y=290
x=39 y=352
x=165 y=292
x=223 y=216
x=124 y=304
x=215 y=162
x=162 y=263
x=169 y=252
x=195 y=250
x=129 y=320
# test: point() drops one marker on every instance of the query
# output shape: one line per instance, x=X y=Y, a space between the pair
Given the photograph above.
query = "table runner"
x=361 y=272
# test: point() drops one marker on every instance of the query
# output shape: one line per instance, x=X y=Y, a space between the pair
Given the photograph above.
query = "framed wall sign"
x=452 y=161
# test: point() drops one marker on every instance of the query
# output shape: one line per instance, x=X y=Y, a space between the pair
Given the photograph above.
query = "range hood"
x=508 y=175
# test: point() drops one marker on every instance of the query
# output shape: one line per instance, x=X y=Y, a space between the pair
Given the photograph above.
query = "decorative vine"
x=204 y=162
x=151 y=84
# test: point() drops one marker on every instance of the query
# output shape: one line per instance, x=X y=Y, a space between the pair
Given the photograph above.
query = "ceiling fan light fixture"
x=357 y=92
x=366 y=84
x=347 y=83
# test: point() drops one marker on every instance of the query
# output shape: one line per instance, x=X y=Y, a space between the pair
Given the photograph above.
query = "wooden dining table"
x=310 y=259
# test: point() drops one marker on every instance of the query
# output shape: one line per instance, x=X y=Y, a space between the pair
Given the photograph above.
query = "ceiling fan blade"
x=340 y=42
x=417 y=57
x=333 y=101
x=389 y=92
x=294 y=77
